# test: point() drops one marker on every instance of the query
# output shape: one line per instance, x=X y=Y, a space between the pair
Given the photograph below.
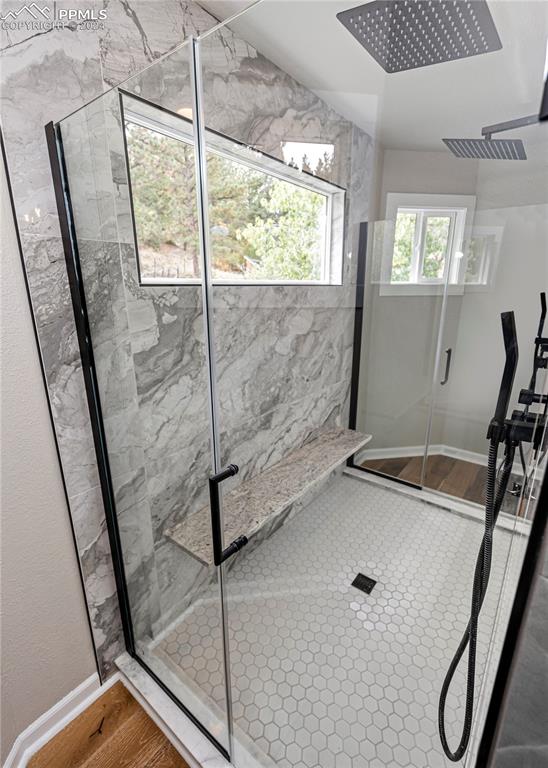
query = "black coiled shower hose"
x=493 y=501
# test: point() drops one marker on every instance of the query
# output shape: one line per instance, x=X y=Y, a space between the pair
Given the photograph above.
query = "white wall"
x=432 y=173
x=521 y=273
x=513 y=197
x=46 y=648
x=400 y=331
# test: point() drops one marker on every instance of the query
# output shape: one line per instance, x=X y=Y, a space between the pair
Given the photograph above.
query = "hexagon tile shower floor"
x=324 y=674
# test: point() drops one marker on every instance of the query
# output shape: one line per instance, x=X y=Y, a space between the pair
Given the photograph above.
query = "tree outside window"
x=262 y=227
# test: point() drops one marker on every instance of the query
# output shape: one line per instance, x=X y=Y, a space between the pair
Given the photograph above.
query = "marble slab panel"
x=48 y=282
x=251 y=100
x=177 y=485
x=44 y=77
x=267 y=495
x=256 y=443
x=298 y=353
x=69 y=406
x=52 y=307
x=181 y=580
x=118 y=166
x=134 y=525
x=361 y=176
x=360 y=195
x=90 y=529
x=89 y=173
x=275 y=522
x=291 y=297
x=172 y=385
x=148 y=32
x=108 y=321
x=152 y=373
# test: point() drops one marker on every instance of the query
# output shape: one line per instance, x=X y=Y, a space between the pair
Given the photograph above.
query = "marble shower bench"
x=265 y=498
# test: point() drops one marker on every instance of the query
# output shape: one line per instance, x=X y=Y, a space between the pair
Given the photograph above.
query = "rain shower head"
x=493 y=149
x=407 y=34
x=487 y=149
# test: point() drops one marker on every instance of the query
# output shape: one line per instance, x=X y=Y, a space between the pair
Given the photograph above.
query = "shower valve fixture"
x=408 y=34
x=523 y=426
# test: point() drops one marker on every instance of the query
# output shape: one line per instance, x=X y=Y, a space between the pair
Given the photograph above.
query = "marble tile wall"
x=523 y=738
x=45 y=76
x=283 y=354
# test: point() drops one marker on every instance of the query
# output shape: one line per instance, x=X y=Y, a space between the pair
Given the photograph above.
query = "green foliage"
x=164 y=191
x=437 y=234
x=261 y=227
x=285 y=236
x=235 y=192
x=403 y=247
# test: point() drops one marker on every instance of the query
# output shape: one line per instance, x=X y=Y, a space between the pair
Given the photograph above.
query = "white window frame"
x=332 y=252
x=489 y=259
x=460 y=208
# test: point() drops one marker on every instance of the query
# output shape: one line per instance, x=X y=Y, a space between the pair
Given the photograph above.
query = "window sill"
x=418 y=289
x=167 y=281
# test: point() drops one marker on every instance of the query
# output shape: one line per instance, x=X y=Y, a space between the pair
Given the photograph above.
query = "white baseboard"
x=38 y=733
x=418 y=450
x=390 y=453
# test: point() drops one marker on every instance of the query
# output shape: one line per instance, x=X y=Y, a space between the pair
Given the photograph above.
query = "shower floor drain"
x=364 y=583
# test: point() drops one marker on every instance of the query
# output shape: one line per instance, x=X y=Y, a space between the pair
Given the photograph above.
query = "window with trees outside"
x=265 y=224
x=431 y=243
x=422 y=245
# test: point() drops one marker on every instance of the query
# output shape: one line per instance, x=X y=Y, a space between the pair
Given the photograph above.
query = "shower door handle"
x=448 y=353
x=220 y=554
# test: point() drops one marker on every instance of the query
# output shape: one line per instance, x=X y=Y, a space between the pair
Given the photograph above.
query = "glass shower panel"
x=221 y=311
x=320 y=674
x=283 y=302
x=403 y=307
x=129 y=159
x=470 y=371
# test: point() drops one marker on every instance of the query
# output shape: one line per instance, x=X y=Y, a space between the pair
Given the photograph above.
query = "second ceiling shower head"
x=488 y=148
x=408 y=34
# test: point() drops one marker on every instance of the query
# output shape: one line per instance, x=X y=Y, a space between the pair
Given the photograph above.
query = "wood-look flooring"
x=463 y=479
x=113 y=732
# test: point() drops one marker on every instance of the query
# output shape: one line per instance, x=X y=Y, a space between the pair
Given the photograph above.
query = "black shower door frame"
x=74 y=271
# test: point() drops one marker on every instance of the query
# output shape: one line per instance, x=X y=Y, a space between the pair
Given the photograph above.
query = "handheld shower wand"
x=494 y=498
x=521 y=427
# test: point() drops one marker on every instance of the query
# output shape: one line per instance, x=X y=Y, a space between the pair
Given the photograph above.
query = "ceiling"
x=413 y=109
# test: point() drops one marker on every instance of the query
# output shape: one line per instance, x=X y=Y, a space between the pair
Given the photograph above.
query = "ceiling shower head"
x=407 y=34
x=487 y=149
x=494 y=149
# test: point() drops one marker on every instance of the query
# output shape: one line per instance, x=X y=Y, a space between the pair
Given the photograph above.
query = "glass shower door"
x=282 y=311
x=131 y=177
x=403 y=313
x=472 y=350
